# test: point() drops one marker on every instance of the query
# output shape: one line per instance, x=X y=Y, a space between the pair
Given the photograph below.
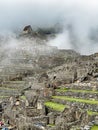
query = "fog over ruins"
x=48 y=65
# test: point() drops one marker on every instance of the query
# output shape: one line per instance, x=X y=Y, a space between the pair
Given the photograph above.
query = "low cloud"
x=77 y=17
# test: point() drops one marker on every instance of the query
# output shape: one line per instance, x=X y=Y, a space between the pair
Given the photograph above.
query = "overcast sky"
x=17 y=13
x=81 y=14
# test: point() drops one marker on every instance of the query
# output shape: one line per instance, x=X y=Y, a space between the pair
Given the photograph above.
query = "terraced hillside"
x=79 y=87
x=74 y=84
x=26 y=58
x=48 y=88
x=66 y=97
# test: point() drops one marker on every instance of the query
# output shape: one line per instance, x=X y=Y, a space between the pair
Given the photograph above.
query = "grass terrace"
x=78 y=91
x=60 y=107
x=71 y=99
x=92 y=113
x=55 y=106
x=94 y=128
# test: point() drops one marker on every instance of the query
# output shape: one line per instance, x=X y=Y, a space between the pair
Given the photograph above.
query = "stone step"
x=16 y=86
x=14 y=68
x=31 y=79
x=22 y=67
x=14 y=82
x=15 y=65
x=15 y=73
x=8 y=90
x=3 y=88
x=4 y=77
x=12 y=71
x=13 y=86
x=9 y=93
x=3 y=97
x=82 y=86
x=7 y=74
x=77 y=93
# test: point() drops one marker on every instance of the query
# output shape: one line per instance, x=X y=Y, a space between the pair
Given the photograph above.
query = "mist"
x=78 y=18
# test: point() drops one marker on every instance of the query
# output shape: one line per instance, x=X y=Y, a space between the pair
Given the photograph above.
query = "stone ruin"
x=31 y=81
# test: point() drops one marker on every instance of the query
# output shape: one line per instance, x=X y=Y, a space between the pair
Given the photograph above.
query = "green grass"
x=60 y=107
x=55 y=106
x=23 y=97
x=62 y=90
x=94 y=128
x=78 y=91
x=51 y=125
x=92 y=113
x=76 y=99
